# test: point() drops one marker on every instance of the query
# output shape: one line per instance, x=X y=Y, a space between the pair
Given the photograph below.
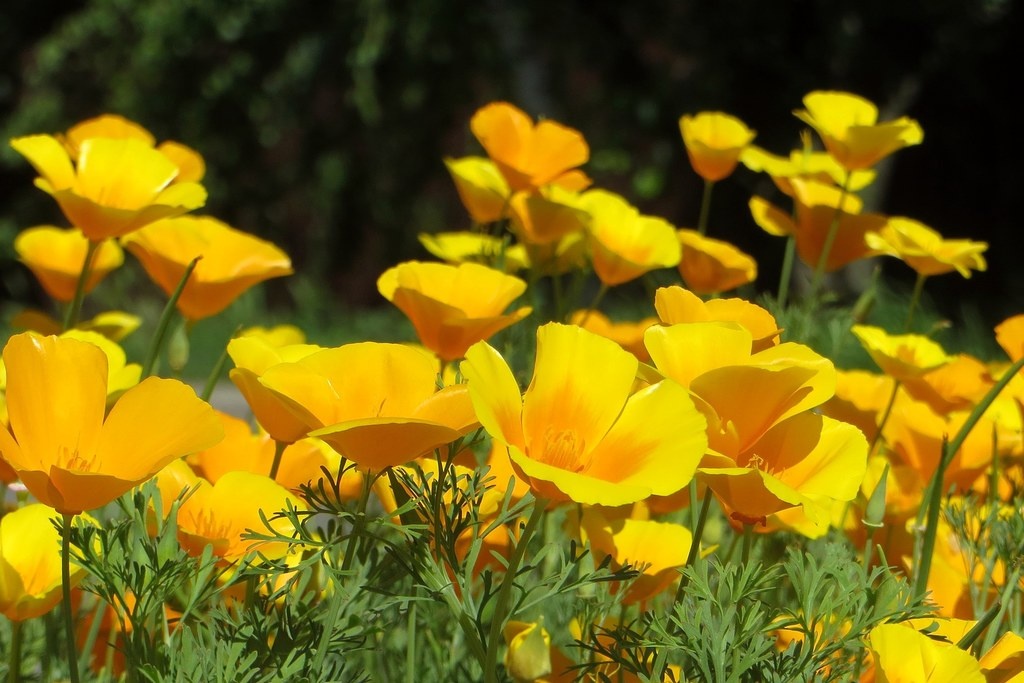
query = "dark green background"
x=324 y=124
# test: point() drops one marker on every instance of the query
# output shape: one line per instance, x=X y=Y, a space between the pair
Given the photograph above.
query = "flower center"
x=563 y=449
x=76 y=461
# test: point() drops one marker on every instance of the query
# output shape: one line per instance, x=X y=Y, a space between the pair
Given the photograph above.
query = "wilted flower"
x=849 y=128
x=583 y=435
x=453 y=307
x=231 y=261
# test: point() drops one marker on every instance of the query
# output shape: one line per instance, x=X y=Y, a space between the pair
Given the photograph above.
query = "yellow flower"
x=277 y=336
x=714 y=142
x=114 y=325
x=453 y=307
x=849 y=128
x=528 y=657
x=474 y=247
x=581 y=434
x=113 y=187
x=56 y=256
x=1004 y=661
x=924 y=250
x=710 y=266
x=481 y=187
x=530 y=155
x=68 y=452
x=904 y=655
x=547 y=216
x=232 y=261
x=191 y=166
x=815 y=210
x=376 y=404
x=628 y=335
x=803 y=163
x=901 y=356
x=677 y=305
x=1010 y=336
x=30 y=583
x=624 y=244
x=220 y=514
x=252 y=357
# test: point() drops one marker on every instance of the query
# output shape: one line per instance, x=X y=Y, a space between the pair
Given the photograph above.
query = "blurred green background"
x=324 y=125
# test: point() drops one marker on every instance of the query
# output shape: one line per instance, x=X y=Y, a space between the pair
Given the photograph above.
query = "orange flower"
x=849 y=128
x=376 y=404
x=68 y=453
x=547 y=216
x=481 y=187
x=452 y=307
x=901 y=356
x=924 y=250
x=1010 y=336
x=113 y=187
x=714 y=142
x=56 y=256
x=624 y=244
x=582 y=435
x=530 y=155
x=710 y=266
x=232 y=261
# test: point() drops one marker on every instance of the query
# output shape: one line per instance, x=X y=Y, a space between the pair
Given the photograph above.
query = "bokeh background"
x=324 y=125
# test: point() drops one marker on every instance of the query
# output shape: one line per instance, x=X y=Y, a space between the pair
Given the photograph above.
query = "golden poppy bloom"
x=191 y=167
x=56 y=256
x=219 y=514
x=677 y=305
x=806 y=164
x=530 y=155
x=113 y=187
x=849 y=128
x=624 y=244
x=816 y=204
x=481 y=187
x=714 y=142
x=924 y=249
x=70 y=453
x=30 y=583
x=453 y=307
x=585 y=436
x=528 y=657
x=901 y=356
x=710 y=266
x=901 y=653
x=1010 y=336
x=547 y=216
x=376 y=404
x=232 y=261
x=475 y=247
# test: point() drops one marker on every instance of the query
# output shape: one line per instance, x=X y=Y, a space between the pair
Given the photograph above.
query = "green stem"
x=787 y=271
x=217 y=371
x=165 y=320
x=65 y=577
x=14 y=656
x=410 y=645
x=915 y=299
x=593 y=304
x=75 y=307
x=502 y=606
x=748 y=542
x=698 y=534
x=830 y=238
x=279 y=447
x=933 y=494
x=885 y=416
x=705 y=207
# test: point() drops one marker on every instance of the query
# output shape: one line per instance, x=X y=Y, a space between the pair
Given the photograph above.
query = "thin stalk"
x=698 y=534
x=65 y=578
x=14 y=656
x=75 y=307
x=885 y=416
x=593 y=304
x=748 y=542
x=933 y=494
x=787 y=271
x=217 y=371
x=410 y=645
x=165 y=320
x=279 y=447
x=830 y=238
x=1004 y=602
x=915 y=299
x=502 y=605
x=705 y=207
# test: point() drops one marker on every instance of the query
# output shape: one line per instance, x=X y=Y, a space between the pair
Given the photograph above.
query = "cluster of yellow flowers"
x=630 y=422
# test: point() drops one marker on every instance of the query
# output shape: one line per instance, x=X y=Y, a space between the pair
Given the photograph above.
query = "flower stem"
x=165 y=320
x=915 y=299
x=885 y=416
x=217 y=371
x=830 y=238
x=593 y=304
x=65 y=577
x=279 y=447
x=14 y=656
x=75 y=307
x=705 y=207
x=787 y=271
x=502 y=604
